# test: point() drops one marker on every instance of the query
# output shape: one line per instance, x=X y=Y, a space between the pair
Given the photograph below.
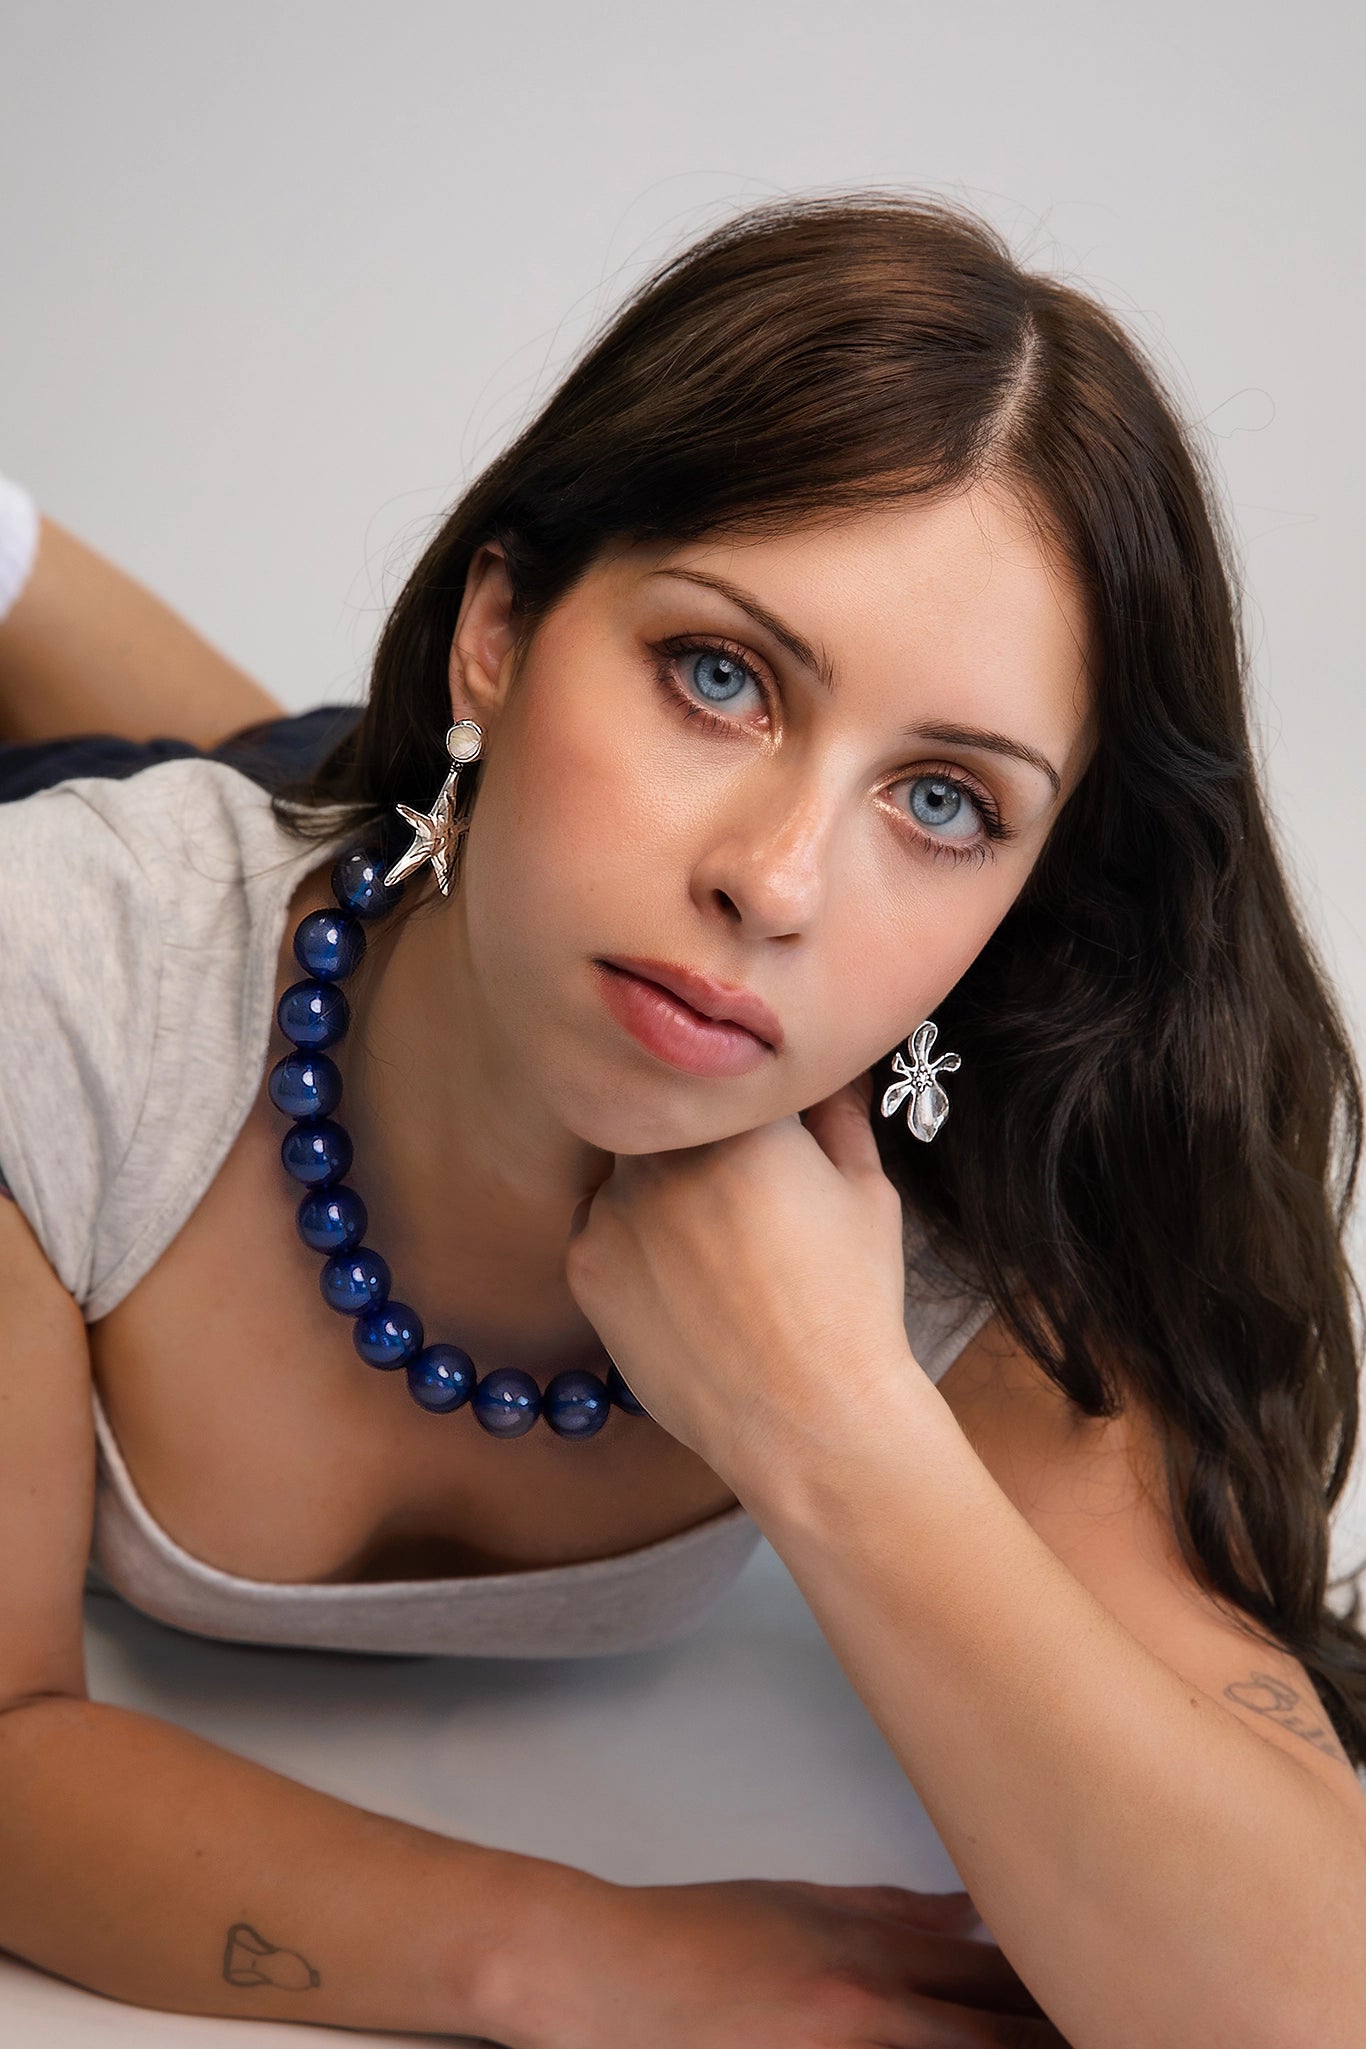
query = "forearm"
x=86 y=649
x=1155 y=1871
x=160 y=1870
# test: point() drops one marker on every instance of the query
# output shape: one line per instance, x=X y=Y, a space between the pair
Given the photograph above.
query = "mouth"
x=669 y=1022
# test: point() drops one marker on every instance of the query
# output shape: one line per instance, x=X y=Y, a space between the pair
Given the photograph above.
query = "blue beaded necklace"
x=307 y=1085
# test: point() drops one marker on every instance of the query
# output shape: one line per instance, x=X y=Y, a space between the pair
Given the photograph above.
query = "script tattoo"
x=1279 y=1702
x=250 y=1960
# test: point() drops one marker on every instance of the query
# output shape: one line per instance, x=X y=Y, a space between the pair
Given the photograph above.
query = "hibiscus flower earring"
x=929 y=1105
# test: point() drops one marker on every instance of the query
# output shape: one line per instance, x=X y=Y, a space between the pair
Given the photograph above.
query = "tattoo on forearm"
x=1286 y=1708
x=250 y=1960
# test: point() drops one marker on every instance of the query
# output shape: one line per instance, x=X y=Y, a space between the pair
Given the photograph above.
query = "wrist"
x=886 y=1414
x=536 y=1914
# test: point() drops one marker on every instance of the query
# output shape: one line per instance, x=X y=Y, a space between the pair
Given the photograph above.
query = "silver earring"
x=435 y=832
x=929 y=1105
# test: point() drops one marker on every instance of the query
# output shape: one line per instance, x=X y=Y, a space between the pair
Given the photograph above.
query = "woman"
x=847 y=644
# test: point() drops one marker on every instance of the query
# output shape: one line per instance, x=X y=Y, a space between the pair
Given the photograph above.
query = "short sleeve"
x=80 y=973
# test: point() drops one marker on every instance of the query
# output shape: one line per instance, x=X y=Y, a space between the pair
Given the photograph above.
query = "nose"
x=769 y=856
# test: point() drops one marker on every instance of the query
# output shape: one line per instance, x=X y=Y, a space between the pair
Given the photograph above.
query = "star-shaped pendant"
x=435 y=838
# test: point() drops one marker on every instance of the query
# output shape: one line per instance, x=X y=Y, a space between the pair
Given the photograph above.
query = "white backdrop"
x=277 y=278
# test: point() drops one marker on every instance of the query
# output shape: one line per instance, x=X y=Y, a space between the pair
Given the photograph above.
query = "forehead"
x=951 y=606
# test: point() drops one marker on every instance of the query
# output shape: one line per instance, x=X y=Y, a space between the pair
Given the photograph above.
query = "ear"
x=485 y=638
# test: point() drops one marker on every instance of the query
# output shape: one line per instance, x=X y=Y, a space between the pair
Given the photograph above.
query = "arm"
x=155 y=1868
x=85 y=649
x=151 y=1866
x=1159 y=1861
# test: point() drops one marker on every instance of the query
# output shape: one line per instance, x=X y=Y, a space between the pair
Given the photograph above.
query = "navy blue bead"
x=329 y=944
x=316 y=1153
x=441 y=1378
x=622 y=1395
x=305 y=1085
x=388 y=1337
x=507 y=1402
x=313 y=1014
x=576 y=1404
x=358 y=884
x=332 y=1220
x=353 y=1281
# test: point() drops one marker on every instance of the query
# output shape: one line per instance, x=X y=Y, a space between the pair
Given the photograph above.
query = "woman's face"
x=752 y=758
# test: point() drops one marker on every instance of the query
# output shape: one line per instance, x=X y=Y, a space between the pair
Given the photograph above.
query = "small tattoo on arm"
x=250 y=1960
x=1281 y=1704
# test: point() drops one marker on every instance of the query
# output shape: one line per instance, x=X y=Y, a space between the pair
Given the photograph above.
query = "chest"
x=263 y=1445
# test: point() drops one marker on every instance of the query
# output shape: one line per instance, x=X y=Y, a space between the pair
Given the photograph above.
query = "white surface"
x=739 y=1752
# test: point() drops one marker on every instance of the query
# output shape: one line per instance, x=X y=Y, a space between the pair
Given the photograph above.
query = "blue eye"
x=715 y=674
x=943 y=803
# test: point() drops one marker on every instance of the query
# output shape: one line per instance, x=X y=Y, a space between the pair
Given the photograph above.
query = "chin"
x=625 y=1120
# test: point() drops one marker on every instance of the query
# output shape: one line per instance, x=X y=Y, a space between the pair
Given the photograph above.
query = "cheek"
x=567 y=832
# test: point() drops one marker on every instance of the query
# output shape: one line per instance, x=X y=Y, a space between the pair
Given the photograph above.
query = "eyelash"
x=994 y=828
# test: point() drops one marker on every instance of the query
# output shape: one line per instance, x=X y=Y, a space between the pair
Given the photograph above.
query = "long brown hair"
x=1158 y=1123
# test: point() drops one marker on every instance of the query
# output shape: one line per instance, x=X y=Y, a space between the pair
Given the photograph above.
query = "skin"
x=491 y=1088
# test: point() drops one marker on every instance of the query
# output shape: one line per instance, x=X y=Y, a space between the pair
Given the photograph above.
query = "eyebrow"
x=816 y=659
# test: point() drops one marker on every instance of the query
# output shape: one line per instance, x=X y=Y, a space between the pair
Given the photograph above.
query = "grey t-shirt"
x=137 y=978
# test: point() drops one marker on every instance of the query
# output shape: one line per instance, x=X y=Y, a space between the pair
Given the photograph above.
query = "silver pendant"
x=929 y=1105
x=436 y=832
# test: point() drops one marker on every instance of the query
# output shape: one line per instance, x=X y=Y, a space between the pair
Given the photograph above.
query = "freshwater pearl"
x=313 y=1014
x=329 y=944
x=332 y=1219
x=353 y=1281
x=305 y=1085
x=507 y=1402
x=575 y=1403
x=358 y=884
x=317 y=1152
x=389 y=1336
x=441 y=1378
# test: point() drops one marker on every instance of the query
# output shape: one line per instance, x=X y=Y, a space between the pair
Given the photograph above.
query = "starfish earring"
x=929 y=1104
x=435 y=831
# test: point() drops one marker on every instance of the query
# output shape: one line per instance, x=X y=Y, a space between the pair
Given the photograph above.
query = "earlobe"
x=485 y=637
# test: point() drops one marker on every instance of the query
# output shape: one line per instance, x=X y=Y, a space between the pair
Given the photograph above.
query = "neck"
x=470 y=1182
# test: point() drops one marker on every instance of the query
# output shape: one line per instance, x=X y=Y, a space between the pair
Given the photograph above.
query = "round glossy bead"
x=313 y=1014
x=353 y=1281
x=441 y=1378
x=358 y=884
x=316 y=1153
x=332 y=1220
x=329 y=944
x=622 y=1395
x=576 y=1404
x=507 y=1402
x=388 y=1337
x=305 y=1085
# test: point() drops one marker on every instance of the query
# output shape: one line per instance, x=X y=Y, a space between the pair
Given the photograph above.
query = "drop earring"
x=929 y=1104
x=435 y=832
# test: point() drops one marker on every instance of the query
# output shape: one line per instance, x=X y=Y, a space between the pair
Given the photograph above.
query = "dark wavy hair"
x=1157 y=1128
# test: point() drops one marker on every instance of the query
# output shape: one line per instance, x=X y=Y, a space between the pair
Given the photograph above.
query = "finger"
x=955 y=1910
x=937 y=2026
x=839 y=1124
x=976 y=1974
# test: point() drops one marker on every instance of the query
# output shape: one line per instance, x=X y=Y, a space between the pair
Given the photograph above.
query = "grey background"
x=278 y=278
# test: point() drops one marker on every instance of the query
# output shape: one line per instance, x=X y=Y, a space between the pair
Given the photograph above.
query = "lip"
x=724 y=1002
x=670 y=1029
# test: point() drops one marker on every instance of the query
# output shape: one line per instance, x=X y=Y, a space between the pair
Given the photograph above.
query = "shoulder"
x=137 y=932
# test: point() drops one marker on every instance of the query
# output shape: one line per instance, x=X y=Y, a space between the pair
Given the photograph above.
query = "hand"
x=751 y=1291
x=765 y=1964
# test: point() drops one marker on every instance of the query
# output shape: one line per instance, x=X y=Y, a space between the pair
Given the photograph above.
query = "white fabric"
x=18 y=541
x=136 y=1011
